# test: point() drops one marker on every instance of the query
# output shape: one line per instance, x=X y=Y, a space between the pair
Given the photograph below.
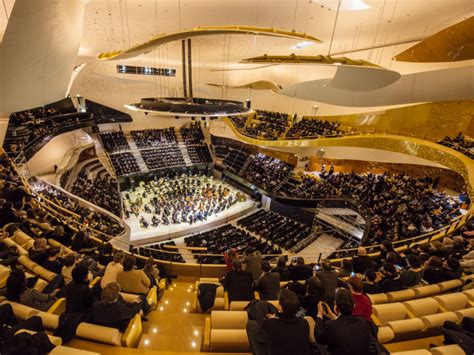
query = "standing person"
x=252 y=260
x=238 y=283
x=330 y=281
x=268 y=284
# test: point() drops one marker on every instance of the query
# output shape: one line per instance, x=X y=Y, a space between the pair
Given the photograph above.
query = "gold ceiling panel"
x=309 y=59
x=455 y=43
x=256 y=85
x=157 y=41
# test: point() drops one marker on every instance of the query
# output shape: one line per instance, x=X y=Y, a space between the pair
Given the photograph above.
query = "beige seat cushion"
x=21 y=311
x=129 y=298
x=229 y=340
x=449 y=285
x=422 y=307
x=238 y=305
x=385 y=334
x=21 y=237
x=426 y=291
x=468 y=312
x=228 y=319
x=452 y=301
x=28 y=263
x=447 y=350
x=437 y=320
x=220 y=292
x=209 y=280
x=413 y=352
x=389 y=312
x=400 y=296
x=219 y=303
x=469 y=294
x=40 y=285
x=378 y=298
x=65 y=350
x=50 y=321
x=44 y=273
x=406 y=326
x=99 y=334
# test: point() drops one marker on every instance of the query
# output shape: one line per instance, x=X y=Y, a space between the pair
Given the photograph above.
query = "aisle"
x=171 y=327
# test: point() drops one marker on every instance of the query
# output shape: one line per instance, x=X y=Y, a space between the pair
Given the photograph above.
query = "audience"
x=112 y=269
x=313 y=128
x=265 y=171
x=459 y=143
x=78 y=295
x=132 y=280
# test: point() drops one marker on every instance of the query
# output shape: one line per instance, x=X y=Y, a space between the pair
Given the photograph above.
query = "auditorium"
x=244 y=177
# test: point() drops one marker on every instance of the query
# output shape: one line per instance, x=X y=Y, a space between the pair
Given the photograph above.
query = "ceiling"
x=118 y=24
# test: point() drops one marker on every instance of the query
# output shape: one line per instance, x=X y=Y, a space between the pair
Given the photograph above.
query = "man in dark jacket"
x=238 y=283
x=269 y=283
x=283 y=333
x=330 y=281
x=361 y=261
x=78 y=295
x=346 y=334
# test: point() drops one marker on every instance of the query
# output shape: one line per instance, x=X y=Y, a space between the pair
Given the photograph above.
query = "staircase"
x=182 y=148
x=136 y=153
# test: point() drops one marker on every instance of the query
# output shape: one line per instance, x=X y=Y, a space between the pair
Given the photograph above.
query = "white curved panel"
x=363 y=78
x=38 y=52
x=437 y=85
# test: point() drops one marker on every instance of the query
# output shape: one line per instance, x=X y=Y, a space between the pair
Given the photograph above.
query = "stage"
x=141 y=236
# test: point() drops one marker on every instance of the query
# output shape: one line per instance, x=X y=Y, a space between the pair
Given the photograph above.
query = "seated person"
x=111 y=311
x=82 y=244
x=8 y=255
x=392 y=281
x=345 y=334
x=284 y=333
x=414 y=273
x=299 y=271
x=152 y=272
x=133 y=281
x=112 y=269
x=39 y=251
x=362 y=303
x=433 y=273
x=370 y=285
x=238 y=283
x=268 y=285
x=106 y=255
x=452 y=269
x=52 y=262
x=78 y=294
x=18 y=291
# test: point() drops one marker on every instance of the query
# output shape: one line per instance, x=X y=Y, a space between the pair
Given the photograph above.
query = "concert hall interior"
x=264 y=177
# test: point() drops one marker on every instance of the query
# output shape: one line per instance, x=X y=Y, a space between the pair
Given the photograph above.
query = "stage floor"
x=151 y=234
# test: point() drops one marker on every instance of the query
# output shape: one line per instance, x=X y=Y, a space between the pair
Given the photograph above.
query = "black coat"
x=345 y=335
x=268 y=286
x=239 y=285
x=287 y=336
x=79 y=298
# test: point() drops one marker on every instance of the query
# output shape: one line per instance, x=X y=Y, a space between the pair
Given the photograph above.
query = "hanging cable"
x=128 y=25
x=334 y=27
x=122 y=25
x=377 y=30
x=294 y=17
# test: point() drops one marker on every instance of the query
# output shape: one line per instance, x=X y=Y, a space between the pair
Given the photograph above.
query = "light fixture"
x=196 y=333
x=146 y=342
x=193 y=344
x=166 y=302
x=185 y=310
x=161 y=308
x=155 y=330
x=301 y=45
x=187 y=303
x=346 y=5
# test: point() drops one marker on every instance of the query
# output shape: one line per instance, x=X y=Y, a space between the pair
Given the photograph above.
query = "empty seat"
x=452 y=301
x=400 y=296
x=426 y=291
x=469 y=294
x=400 y=327
x=229 y=340
x=422 y=307
x=468 y=312
x=385 y=334
x=413 y=352
x=450 y=285
x=64 y=350
x=389 y=312
x=447 y=350
x=378 y=298
x=437 y=320
x=21 y=311
x=228 y=319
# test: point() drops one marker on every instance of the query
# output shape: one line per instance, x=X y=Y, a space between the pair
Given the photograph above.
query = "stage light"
x=193 y=344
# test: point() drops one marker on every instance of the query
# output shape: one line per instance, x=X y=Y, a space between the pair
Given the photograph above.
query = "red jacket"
x=363 y=306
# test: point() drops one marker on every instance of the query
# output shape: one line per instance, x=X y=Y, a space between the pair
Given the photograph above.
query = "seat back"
x=453 y=301
x=229 y=340
x=426 y=291
x=21 y=311
x=400 y=296
x=228 y=319
x=422 y=307
x=378 y=298
x=389 y=312
x=469 y=294
x=450 y=285
x=21 y=238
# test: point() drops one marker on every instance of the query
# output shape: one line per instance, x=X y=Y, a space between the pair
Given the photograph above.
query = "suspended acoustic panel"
x=309 y=59
x=455 y=43
x=38 y=52
x=363 y=79
x=203 y=31
x=437 y=85
x=256 y=85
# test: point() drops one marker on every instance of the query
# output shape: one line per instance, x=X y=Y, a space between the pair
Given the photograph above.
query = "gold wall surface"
x=433 y=120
